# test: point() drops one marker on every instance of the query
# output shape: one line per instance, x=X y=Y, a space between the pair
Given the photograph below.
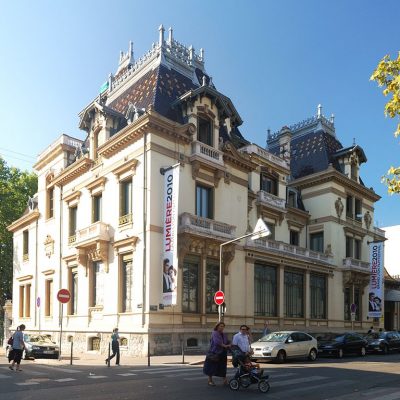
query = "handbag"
x=10 y=341
x=213 y=357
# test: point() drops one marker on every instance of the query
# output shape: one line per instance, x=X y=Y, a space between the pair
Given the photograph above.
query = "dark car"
x=38 y=346
x=383 y=341
x=339 y=344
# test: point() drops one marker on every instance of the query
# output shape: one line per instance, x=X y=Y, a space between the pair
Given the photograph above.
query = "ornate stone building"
x=95 y=226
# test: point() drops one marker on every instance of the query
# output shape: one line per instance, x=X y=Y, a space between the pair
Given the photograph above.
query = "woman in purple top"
x=218 y=345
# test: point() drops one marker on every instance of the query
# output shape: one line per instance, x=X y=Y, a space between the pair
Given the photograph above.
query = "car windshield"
x=36 y=338
x=332 y=337
x=275 y=337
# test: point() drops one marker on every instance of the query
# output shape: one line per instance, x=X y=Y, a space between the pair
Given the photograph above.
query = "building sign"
x=170 y=240
x=376 y=290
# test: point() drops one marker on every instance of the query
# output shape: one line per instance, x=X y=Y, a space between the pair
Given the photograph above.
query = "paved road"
x=373 y=377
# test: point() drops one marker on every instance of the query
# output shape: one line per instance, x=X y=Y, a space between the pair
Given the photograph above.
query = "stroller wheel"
x=263 y=386
x=234 y=384
x=245 y=381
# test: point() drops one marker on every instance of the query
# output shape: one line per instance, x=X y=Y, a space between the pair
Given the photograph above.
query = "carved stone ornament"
x=339 y=207
x=328 y=250
x=49 y=246
x=367 y=219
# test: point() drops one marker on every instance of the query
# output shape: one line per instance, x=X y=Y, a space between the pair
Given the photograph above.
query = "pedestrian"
x=114 y=347
x=371 y=330
x=266 y=329
x=241 y=340
x=18 y=347
x=216 y=359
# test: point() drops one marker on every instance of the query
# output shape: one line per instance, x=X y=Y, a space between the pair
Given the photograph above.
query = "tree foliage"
x=15 y=188
x=387 y=75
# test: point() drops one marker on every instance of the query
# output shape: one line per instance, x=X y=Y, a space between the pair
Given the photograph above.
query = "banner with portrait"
x=376 y=289
x=170 y=237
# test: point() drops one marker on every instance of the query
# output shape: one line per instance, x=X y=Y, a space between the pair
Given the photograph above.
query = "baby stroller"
x=246 y=375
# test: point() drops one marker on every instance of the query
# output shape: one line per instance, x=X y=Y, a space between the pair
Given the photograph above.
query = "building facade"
x=96 y=226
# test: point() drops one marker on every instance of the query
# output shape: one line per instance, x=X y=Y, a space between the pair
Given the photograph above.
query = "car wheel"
x=281 y=357
x=363 y=352
x=312 y=356
x=340 y=353
x=385 y=349
x=234 y=384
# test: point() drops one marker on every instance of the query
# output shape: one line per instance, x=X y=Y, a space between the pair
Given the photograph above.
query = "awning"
x=392 y=295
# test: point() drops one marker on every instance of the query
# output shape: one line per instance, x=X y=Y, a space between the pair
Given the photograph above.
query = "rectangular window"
x=318 y=296
x=265 y=290
x=269 y=184
x=97 y=284
x=212 y=285
x=317 y=241
x=349 y=206
x=349 y=246
x=50 y=202
x=73 y=288
x=21 y=301
x=48 y=309
x=357 y=249
x=294 y=238
x=347 y=303
x=271 y=228
x=73 y=214
x=205 y=131
x=126 y=283
x=27 y=311
x=292 y=199
x=357 y=302
x=190 y=286
x=25 y=236
x=357 y=209
x=125 y=208
x=294 y=295
x=97 y=207
x=204 y=202
x=350 y=299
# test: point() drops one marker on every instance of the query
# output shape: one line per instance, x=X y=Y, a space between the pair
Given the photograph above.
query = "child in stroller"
x=247 y=373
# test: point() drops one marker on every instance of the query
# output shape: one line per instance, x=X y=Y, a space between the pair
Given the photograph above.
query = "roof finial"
x=204 y=82
x=202 y=54
x=354 y=141
x=170 y=35
x=161 y=35
x=332 y=119
x=319 y=112
x=191 y=52
x=130 y=55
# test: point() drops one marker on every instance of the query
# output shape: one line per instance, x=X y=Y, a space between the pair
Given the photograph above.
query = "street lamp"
x=260 y=230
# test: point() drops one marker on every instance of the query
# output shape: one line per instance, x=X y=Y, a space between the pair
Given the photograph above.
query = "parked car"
x=279 y=346
x=339 y=344
x=383 y=341
x=38 y=346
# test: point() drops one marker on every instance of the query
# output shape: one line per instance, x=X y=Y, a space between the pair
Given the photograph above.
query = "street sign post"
x=63 y=296
x=219 y=297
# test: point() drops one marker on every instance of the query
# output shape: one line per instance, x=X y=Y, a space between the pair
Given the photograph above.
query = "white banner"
x=376 y=290
x=170 y=239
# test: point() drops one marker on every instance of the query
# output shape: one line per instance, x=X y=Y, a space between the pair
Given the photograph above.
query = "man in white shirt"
x=241 y=339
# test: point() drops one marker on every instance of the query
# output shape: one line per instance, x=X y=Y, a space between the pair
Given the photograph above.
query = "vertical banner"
x=170 y=239
x=376 y=290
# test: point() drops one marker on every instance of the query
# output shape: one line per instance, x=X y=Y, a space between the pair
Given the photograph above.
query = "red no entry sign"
x=219 y=297
x=63 y=296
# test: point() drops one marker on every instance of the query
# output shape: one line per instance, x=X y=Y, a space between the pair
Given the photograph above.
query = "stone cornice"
x=23 y=221
x=128 y=165
x=74 y=170
x=72 y=197
x=332 y=174
x=97 y=184
x=149 y=122
x=24 y=278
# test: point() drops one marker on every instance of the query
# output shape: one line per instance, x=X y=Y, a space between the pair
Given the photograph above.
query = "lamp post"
x=261 y=230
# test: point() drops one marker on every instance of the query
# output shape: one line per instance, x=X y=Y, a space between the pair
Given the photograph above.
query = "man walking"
x=241 y=340
x=18 y=347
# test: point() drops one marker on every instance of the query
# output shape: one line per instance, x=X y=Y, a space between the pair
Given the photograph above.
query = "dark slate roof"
x=311 y=153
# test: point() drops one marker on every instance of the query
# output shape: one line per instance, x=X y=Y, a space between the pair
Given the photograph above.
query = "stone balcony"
x=254 y=149
x=98 y=231
x=355 y=265
x=203 y=152
x=189 y=223
x=289 y=250
x=269 y=199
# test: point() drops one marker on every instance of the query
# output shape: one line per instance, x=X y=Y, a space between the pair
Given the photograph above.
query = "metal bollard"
x=72 y=347
x=109 y=354
x=183 y=352
x=148 y=354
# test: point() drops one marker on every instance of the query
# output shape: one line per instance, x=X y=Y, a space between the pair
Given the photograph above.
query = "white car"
x=282 y=345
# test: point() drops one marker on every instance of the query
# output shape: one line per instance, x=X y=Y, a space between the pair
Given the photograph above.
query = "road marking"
x=371 y=394
x=160 y=369
x=127 y=374
x=2 y=376
x=97 y=376
x=273 y=376
x=27 y=383
x=167 y=371
x=185 y=374
x=197 y=378
x=56 y=368
x=65 y=380
x=324 y=384
x=300 y=380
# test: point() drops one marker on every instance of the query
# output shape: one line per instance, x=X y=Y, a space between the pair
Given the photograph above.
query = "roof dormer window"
x=204 y=131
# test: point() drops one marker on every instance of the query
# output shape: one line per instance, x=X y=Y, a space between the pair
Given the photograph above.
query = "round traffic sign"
x=219 y=297
x=63 y=296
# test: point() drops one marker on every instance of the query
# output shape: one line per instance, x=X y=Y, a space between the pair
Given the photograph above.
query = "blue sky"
x=276 y=60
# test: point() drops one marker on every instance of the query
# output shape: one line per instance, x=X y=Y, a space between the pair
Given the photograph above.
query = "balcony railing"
x=71 y=240
x=270 y=199
x=25 y=257
x=125 y=219
x=97 y=231
x=355 y=264
x=288 y=249
x=206 y=152
x=209 y=227
x=253 y=148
